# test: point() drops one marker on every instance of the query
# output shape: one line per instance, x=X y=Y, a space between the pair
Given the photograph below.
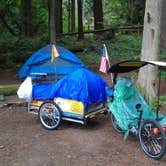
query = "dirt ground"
x=23 y=142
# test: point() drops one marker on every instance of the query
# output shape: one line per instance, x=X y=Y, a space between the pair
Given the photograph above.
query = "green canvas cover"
x=123 y=107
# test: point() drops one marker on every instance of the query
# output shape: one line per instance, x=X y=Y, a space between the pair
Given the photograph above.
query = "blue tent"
x=40 y=63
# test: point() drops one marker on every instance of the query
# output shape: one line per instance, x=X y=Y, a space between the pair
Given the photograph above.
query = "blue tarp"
x=82 y=85
x=40 y=63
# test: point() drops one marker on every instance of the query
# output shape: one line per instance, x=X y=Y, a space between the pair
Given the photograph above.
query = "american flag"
x=104 y=62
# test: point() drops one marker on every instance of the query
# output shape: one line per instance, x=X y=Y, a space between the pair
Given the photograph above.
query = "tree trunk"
x=26 y=17
x=130 y=11
x=72 y=15
x=80 y=24
x=51 y=21
x=150 y=48
x=69 y=15
x=58 y=17
x=98 y=14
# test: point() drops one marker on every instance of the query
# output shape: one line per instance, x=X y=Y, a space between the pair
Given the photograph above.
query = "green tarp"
x=123 y=107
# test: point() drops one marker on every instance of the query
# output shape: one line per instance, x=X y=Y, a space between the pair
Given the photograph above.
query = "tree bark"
x=51 y=21
x=72 y=15
x=69 y=15
x=130 y=12
x=26 y=17
x=150 y=48
x=80 y=24
x=58 y=17
x=98 y=14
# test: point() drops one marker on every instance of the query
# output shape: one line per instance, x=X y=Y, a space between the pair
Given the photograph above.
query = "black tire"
x=50 y=115
x=115 y=125
x=152 y=139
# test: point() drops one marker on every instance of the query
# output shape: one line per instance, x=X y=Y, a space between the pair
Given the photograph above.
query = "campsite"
x=82 y=83
x=25 y=142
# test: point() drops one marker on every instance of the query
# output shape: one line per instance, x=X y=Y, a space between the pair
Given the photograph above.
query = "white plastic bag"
x=25 y=89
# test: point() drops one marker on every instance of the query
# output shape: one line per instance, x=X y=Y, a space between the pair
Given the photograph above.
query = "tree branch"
x=7 y=25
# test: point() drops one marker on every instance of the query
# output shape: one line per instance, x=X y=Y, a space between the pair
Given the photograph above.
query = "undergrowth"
x=15 y=51
x=122 y=47
x=9 y=90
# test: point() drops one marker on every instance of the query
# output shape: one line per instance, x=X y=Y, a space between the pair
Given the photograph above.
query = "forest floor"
x=23 y=142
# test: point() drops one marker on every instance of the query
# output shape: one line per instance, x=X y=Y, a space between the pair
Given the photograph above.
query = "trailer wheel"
x=50 y=115
x=152 y=139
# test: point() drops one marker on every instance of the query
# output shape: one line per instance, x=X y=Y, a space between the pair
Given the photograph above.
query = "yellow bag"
x=71 y=106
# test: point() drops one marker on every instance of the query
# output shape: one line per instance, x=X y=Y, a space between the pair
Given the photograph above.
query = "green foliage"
x=14 y=51
x=39 y=17
x=88 y=11
x=163 y=58
x=115 y=12
x=155 y=104
x=163 y=54
x=163 y=98
x=163 y=74
x=8 y=90
x=65 y=16
x=123 y=47
x=10 y=11
x=161 y=103
x=123 y=12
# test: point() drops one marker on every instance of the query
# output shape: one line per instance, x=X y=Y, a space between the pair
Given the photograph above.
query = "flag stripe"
x=103 y=65
x=104 y=62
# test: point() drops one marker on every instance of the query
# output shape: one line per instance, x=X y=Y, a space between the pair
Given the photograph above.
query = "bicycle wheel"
x=152 y=139
x=50 y=115
x=115 y=124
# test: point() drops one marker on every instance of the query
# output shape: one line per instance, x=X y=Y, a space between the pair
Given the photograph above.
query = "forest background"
x=25 y=27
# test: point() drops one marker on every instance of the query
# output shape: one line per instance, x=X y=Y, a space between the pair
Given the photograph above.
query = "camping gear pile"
x=76 y=91
x=77 y=95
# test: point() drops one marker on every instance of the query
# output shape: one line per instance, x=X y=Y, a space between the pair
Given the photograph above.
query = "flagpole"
x=55 y=64
x=107 y=55
x=109 y=65
x=54 y=55
x=53 y=60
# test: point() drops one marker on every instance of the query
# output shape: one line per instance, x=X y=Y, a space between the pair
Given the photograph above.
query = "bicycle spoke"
x=50 y=115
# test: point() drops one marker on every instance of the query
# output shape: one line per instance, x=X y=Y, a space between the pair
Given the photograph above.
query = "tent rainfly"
x=40 y=63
